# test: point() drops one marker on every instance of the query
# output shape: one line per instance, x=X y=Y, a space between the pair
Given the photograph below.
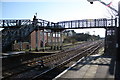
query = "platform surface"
x=92 y=67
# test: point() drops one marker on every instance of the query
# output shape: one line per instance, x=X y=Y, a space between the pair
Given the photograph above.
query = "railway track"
x=53 y=72
x=7 y=66
x=31 y=70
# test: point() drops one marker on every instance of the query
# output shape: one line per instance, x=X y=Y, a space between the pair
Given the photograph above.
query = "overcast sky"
x=57 y=10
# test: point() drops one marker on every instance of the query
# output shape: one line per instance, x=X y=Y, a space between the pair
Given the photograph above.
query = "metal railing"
x=88 y=23
x=13 y=22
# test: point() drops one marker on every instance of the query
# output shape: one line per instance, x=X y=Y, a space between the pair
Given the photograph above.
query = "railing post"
x=19 y=22
x=98 y=22
x=95 y=22
x=104 y=22
x=78 y=24
x=111 y=22
x=75 y=24
x=3 y=23
x=16 y=22
x=71 y=24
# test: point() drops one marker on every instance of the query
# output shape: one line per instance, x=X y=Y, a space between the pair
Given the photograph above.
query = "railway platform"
x=5 y=55
x=98 y=66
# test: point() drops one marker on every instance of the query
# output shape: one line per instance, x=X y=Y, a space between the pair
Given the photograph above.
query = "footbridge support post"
x=35 y=20
x=61 y=40
x=58 y=40
x=110 y=41
x=117 y=66
x=105 y=43
x=59 y=37
x=43 y=40
x=51 y=40
x=36 y=39
x=55 y=40
x=20 y=43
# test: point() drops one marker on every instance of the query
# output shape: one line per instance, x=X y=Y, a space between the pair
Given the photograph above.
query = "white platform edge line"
x=67 y=69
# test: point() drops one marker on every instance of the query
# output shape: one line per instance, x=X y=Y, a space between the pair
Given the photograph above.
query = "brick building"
x=30 y=41
x=40 y=39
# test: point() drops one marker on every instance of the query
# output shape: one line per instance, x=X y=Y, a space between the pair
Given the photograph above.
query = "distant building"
x=69 y=33
x=56 y=38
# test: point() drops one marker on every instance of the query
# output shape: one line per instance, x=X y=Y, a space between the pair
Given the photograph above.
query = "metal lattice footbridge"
x=19 y=29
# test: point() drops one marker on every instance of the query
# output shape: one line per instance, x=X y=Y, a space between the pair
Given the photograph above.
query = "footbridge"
x=73 y=24
x=21 y=28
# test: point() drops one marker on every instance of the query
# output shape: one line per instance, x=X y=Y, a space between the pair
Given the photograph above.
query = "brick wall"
x=32 y=40
x=25 y=45
x=40 y=38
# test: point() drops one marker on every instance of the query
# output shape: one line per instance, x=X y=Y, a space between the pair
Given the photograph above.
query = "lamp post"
x=108 y=5
x=117 y=65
